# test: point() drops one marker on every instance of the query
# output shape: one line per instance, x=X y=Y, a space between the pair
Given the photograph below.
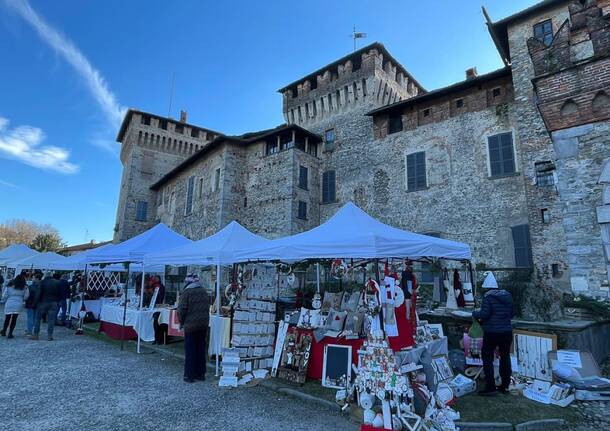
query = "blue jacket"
x=496 y=311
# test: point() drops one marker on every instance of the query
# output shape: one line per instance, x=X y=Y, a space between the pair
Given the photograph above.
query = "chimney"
x=471 y=73
x=183 y=116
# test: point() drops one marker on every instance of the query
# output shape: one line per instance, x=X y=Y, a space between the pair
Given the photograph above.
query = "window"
x=459 y=103
x=543 y=31
x=147 y=163
x=416 y=171
x=303 y=180
x=496 y=92
x=395 y=123
x=272 y=148
x=216 y=182
x=545 y=216
x=190 y=188
x=501 y=154
x=245 y=202
x=545 y=173
x=179 y=128
x=145 y=120
x=329 y=140
x=194 y=132
x=302 y=212
x=200 y=187
x=141 y=210
x=328 y=187
x=163 y=124
x=427 y=112
x=522 y=245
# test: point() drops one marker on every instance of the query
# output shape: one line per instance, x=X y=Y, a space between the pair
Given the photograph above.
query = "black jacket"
x=49 y=290
x=496 y=311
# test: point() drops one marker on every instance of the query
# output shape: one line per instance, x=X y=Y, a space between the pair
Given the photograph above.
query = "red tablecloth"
x=114 y=331
x=316 y=356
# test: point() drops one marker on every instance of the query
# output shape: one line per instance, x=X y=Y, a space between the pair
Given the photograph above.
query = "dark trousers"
x=50 y=309
x=62 y=305
x=502 y=342
x=194 y=354
x=160 y=330
x=10 y=320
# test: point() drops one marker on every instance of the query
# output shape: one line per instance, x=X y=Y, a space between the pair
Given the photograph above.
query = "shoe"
x=503 y=390
x=33 y=337
x=10 y=336
x=488 y=392
x=187 y=380
x=50 y=339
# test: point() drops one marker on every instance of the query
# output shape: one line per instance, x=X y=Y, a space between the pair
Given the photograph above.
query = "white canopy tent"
x=15 y=252
x=158 y=238
x=218 y=249
x=38 y=261
x=352 y=233
x=78 y=262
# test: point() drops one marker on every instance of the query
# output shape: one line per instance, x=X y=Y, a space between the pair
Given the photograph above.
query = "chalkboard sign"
x=337 y=368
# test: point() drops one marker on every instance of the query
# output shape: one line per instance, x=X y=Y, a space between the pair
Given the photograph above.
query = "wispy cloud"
x=96 y=83
x=23 y=143
x=9 y=185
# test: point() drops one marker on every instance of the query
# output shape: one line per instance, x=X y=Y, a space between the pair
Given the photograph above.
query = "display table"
x=91 y=305
x=137 y=322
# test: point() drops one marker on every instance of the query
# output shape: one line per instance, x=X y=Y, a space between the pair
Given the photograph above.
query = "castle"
x=515 y=162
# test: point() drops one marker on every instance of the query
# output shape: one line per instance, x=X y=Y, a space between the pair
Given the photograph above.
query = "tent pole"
x=141 y=303
x=125 y=309
x=472 y=280
x=218 y=322
x=318 y=277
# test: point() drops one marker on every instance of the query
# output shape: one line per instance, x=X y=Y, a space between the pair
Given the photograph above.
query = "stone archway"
x=603 y=213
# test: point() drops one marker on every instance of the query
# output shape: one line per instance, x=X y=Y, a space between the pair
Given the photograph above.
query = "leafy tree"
x=47 y=242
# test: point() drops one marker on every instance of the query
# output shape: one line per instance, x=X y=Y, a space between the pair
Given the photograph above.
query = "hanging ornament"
x=338 y=269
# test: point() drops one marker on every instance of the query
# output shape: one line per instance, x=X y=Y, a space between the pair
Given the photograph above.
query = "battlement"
x=368 y=76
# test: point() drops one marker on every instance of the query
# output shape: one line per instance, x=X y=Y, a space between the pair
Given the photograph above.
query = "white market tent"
x=218 y=249
x=15 y=252
x=38 y=261
x=352 y=233
x=78 y=262
x=157 y=238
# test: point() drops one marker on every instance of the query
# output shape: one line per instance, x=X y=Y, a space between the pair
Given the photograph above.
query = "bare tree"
x=25 y=232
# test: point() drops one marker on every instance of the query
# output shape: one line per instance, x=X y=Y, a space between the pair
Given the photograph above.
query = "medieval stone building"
x=515 y=162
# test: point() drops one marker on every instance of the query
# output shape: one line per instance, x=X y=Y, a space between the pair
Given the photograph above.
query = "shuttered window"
x=395 y=123
x=523 y=246
x=141 y=210
x=303 y=177
x=328 y=187
x=416 y=171
x=302 y=211
x=501 y=154
x=544 y=32
x=190 y=188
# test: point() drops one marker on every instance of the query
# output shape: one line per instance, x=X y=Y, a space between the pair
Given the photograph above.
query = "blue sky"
x=70 y=68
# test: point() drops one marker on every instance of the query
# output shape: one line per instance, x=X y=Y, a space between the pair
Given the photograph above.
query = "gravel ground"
x=77 y=382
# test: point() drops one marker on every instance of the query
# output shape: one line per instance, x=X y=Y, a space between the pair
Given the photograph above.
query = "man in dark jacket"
x=48 y=297
x=64 y=294
x=194 y=317
x=495 y=316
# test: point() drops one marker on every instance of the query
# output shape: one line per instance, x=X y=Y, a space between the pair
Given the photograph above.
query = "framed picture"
x=436 y=330
x=442 y=369
x=337 y=366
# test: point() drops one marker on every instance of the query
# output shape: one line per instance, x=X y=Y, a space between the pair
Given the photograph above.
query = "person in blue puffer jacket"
x=495 y=316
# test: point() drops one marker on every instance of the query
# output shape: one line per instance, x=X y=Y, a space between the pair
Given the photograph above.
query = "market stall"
x=40 y=261
x=216 y=250
x=132 y=251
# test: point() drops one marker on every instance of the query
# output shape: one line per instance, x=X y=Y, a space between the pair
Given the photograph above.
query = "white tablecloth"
x=140 y=320
x=92 y=305
x=220 y=328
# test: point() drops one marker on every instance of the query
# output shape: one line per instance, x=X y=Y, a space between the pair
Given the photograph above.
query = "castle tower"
x=151 y=146
x=369 y=77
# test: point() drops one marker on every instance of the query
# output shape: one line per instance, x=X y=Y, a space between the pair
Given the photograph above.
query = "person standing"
x=194 y=317
x=13 y=298
x=64 y=294
x=160 y=328
x=495 y=316
x=47 y=300
x=30 y=303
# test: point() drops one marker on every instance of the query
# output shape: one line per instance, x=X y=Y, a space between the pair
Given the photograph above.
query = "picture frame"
x=436 y=330
x=337 y=366
x=442 y=368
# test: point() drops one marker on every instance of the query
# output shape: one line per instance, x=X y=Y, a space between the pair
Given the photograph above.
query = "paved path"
x=77 y=382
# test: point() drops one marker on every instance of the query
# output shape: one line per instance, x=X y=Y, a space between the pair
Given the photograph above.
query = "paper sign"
x=569 y=358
